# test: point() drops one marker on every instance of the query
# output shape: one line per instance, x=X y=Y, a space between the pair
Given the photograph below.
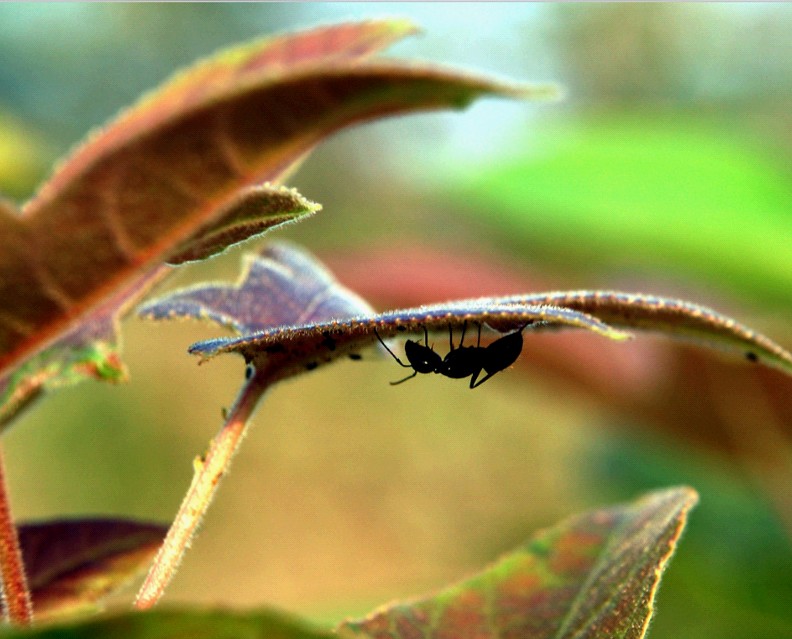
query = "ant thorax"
x=462 y=361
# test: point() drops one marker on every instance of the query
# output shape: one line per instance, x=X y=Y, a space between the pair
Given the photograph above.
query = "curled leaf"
x=282 y=325
x=294 y=349
x=251 y=212
x=671 y=316
x=283 y=284
x=594 y=575
x=293 y=315
x=73 y=564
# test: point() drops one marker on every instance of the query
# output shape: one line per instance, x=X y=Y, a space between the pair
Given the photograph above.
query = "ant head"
x=422 y=358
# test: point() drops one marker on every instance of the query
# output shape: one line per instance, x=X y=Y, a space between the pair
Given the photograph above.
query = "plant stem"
x=18 y=606
x=208 y=472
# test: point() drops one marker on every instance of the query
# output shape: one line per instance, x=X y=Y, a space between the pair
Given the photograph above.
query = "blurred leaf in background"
x=22 y=157
x=632 y=194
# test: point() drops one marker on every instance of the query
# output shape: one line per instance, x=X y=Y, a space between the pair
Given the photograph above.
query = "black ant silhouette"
x=463 y=361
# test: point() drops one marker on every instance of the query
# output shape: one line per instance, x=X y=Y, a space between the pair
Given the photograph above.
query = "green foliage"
x=661 y=192
x=172 y=624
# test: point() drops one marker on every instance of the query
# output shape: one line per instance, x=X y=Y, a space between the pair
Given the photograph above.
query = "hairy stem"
x=18 y=606
x=208 y=472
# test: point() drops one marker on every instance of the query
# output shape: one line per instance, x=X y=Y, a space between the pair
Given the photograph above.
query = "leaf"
x=162 y=182
x=88 y=349
x=72 y=565
x=177 y=624
x=594 y=575
x=680 y=389
x=309 y=319
x=674 y=317
x=290 y=339
x=253 y=211
x=282 y=285
x=679 y=195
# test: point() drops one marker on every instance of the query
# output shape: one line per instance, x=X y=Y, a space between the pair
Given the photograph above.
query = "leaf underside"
x=593 y=575
x=71 y=565
x=303 y=330
x=162 y=183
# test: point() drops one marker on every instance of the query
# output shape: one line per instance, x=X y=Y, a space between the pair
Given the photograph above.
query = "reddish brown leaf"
x=162 y=182
x=313 y=320
x=74 y=564
x=88 y=349
x=669 y=385
x=281 y=285
x=293 y=338
x=251 y=212
x=594 y=575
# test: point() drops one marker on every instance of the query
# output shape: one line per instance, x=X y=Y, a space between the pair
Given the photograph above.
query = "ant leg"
x=475 y=376
x=478 y=341
x=473 y=383
x=451 y=335
x=404 y=380
x=401 y=363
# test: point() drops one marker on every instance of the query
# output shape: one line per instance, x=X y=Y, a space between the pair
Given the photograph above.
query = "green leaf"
x=643 y=192
x=162 y=183
x=177 y=624
x=594 y=575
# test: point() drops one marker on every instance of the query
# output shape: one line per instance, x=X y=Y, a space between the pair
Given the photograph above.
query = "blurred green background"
x=666 y=167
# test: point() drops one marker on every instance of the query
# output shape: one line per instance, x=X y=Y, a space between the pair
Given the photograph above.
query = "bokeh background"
x=666 y=168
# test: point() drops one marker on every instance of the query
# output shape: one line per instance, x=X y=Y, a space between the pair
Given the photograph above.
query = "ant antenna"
x=401 y=363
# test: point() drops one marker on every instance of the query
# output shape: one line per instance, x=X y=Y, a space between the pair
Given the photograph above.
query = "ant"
x=463 y=361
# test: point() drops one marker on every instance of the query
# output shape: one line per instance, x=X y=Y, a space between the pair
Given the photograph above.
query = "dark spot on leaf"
x=401 y=329
x=355 y=356
x=751 y=356
x=273 y=349
x=311 y=365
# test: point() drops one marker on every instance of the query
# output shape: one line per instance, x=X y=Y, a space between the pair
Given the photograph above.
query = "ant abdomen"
x=502 y=353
